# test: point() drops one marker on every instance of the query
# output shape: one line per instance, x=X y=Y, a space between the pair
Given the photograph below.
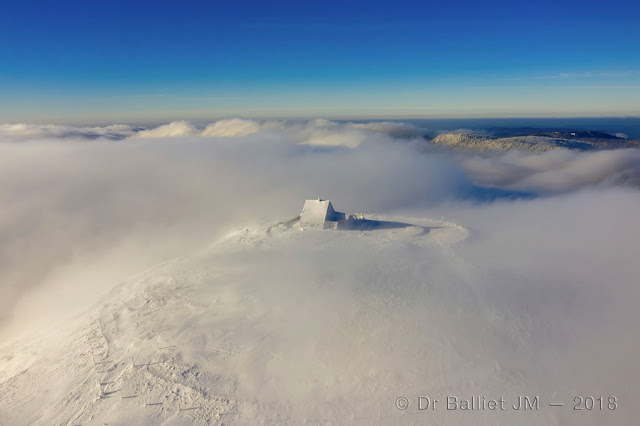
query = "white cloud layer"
x=63 y=200
x=174 y=129
x=315 y=132
x=45 y=131
x=231 y=128
x=552 y=277
x=555 y=171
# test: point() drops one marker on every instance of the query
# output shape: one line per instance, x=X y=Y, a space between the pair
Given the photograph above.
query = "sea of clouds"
x=553 y=236
x=82 y=207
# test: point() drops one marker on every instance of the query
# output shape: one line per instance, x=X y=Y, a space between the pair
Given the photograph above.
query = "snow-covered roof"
x=317 y=211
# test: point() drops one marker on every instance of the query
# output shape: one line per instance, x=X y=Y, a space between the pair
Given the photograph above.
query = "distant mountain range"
x=532 y=139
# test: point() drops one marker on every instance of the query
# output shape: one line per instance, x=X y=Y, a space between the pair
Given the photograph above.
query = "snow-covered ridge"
x=212 y=337
x=535 y=142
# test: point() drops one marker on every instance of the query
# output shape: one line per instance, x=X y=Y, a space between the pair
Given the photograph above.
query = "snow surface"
x=278 y=324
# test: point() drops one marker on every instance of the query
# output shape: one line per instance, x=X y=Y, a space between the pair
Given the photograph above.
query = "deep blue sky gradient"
x=82 y=60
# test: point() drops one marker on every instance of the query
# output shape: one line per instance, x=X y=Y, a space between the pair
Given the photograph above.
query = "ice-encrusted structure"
x=321 y=213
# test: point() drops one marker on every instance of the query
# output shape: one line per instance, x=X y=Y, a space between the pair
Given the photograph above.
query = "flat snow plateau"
x=280 y=324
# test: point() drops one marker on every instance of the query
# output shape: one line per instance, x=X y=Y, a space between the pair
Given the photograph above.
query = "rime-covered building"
x=321 y=213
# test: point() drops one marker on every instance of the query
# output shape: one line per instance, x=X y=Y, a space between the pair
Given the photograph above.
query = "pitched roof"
x=317 y=211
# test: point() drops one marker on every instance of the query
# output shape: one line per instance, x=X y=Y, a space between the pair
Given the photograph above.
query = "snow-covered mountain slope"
x=279 y=324
x=535 y=142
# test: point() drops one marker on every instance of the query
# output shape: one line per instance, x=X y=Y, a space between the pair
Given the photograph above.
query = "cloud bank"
x=21 y=132
x=315 y=132
x=68 y=203
x=555 y=171
x=549 y=273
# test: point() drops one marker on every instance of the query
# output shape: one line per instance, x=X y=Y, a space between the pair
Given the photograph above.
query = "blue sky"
x=71 y=60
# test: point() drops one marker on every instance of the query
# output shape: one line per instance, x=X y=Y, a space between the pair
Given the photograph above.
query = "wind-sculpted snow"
x=509 y=273
x=194 y=332
x=280 y=323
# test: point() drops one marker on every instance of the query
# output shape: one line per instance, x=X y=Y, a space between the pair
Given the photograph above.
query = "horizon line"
x=76 y=122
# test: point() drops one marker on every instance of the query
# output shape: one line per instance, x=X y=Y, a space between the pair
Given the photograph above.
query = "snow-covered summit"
x=270 y=324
